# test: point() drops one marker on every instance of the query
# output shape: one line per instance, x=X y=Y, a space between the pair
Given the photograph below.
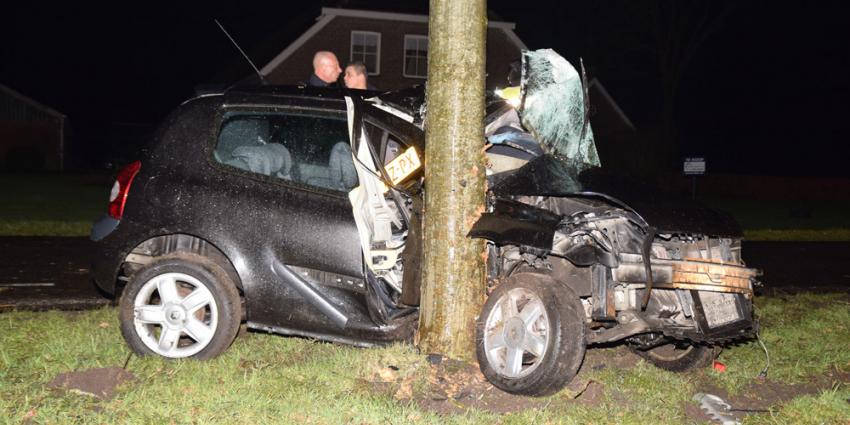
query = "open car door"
x=381 y=217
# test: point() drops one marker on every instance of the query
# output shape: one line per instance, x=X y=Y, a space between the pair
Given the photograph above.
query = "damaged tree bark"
x=453 y=267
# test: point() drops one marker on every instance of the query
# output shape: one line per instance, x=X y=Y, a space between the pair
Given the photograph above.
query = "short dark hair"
x=358 y=66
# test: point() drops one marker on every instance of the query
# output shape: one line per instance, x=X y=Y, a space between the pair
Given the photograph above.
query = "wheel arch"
x=148 y=250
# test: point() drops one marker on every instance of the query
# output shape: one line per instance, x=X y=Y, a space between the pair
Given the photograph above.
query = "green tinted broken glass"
x=553 y=107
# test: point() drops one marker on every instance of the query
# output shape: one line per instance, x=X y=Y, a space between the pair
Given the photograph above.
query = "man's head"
x=355 y=76
x=326 y=66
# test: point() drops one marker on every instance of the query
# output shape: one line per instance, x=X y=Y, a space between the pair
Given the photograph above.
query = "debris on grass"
x=716 y=408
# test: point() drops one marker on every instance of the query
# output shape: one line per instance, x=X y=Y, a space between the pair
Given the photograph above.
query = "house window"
x=366 y=48
x=416 y=56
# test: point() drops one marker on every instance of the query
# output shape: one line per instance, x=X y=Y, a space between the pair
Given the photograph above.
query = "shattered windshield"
x=553 y=108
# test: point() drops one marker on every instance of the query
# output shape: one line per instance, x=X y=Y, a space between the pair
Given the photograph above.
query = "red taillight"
x=118 y=196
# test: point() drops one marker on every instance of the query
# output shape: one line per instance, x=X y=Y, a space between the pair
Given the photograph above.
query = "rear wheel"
x=530 y=335
x=182 y=305
x=679 y=356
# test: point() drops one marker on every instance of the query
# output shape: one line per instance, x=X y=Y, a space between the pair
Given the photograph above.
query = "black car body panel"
x=181 y=190
x=548 y=175
x=513 y=222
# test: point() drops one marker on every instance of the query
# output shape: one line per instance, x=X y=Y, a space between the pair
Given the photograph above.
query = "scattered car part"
x=763 y=373
x=716 y=408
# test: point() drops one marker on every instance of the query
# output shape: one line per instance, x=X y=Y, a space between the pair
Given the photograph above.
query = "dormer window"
x=415 y=56
x=366 y=48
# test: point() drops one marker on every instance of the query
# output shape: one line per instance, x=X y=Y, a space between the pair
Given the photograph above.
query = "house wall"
x=30 y=137
x=336 y=37
x=29 y=146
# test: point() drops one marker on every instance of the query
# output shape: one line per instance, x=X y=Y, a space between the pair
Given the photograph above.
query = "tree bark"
x=453 y=280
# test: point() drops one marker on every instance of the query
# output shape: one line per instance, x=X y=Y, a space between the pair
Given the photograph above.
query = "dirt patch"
x=100 y=382
x=451 y=387
x=619 y=357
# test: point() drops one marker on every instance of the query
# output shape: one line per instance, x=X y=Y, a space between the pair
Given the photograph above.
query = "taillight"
x=118 y=195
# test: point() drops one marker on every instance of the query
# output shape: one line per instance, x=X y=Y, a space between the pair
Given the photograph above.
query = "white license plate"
x=719 y=308
x=403 y=165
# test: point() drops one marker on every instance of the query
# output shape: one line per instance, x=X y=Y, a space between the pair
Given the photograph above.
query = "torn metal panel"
x=515 y=223
x=409 y=101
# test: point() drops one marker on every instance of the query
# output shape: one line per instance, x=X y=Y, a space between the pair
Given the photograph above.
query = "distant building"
x=32 y=136
x=394 y=47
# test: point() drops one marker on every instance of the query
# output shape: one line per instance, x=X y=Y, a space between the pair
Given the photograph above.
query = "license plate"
x=719 y=308
x=403 y=165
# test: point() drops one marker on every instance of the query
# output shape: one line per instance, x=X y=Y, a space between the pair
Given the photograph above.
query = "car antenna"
x=259 y=74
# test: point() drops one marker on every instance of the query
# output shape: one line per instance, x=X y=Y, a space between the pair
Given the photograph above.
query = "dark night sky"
x=766 y=94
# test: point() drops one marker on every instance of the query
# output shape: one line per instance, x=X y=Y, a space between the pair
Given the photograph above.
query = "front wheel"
x=182 y=305
x=530 y=336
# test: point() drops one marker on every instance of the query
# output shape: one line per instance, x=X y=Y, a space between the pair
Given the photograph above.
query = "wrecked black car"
x=297 y=211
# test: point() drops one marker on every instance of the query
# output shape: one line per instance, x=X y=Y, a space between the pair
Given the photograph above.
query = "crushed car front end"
x=633 y=279
x=584 y=255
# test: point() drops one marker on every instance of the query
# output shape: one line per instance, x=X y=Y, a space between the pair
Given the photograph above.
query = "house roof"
x=328 y=14
x=625 y=118
x=46 y=109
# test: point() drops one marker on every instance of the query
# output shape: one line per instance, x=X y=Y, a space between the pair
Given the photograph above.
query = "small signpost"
x=694 y=166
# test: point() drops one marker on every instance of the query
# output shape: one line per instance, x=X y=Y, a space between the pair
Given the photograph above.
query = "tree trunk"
x=453 y=266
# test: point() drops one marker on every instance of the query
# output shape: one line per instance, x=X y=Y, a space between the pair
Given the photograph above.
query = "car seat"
x=341 y=170
x=271 y=159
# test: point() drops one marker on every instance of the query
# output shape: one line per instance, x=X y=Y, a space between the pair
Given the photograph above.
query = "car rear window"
x=306 y=148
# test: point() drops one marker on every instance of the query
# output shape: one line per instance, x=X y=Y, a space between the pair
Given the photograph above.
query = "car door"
x=286 y=171
x=385 y=206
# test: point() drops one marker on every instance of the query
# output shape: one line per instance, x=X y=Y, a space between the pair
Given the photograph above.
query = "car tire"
x=678 y=356
x=536 y=355
x=181 y=305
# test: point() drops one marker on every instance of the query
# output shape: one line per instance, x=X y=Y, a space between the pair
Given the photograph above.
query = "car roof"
x=300 y=91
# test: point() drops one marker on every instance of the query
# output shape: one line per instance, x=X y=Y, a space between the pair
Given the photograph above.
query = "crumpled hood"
x=548 y=175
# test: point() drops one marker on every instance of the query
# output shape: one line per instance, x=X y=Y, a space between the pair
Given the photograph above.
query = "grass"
x=51 y=204
x=272 y=379
x=816 y=221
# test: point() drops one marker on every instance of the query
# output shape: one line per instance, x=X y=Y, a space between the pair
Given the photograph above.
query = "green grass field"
x=789 y=221
x=266 y=378
x=51 y=204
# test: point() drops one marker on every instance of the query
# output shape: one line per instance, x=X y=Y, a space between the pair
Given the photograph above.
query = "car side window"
x=385 y=143
x=393 y=149
x=306 y=148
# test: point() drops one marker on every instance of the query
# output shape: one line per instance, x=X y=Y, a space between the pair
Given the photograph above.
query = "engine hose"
x=647 y=248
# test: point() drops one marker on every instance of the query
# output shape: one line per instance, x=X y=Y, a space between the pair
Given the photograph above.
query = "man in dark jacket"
x=325 y=69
